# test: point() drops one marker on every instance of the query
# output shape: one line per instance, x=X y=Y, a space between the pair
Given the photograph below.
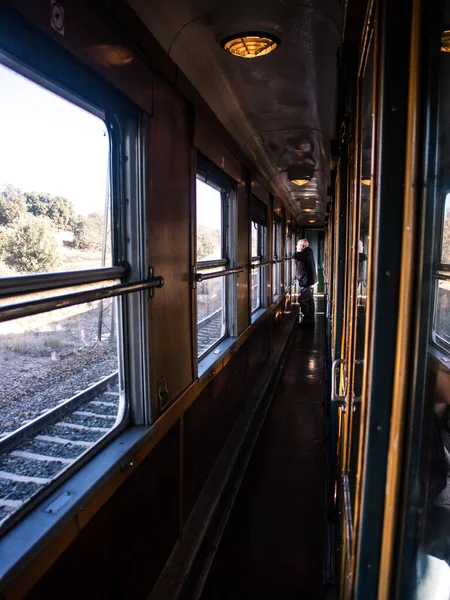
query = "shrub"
x=88 y=232
x=32 y=247
x=12 y=205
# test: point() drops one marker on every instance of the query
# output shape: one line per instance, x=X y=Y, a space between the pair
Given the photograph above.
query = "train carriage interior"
x=224 y=299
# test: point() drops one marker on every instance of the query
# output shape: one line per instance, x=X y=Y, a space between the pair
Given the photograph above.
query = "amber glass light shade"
x=445 y=41
x=365 y=181
x=301 y=181
x=311 y=220
x=248 y=45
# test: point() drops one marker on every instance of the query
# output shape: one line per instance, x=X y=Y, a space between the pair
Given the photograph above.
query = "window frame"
x=126 y=127
x=211 y=175
x=277 y=259
x=256 y=264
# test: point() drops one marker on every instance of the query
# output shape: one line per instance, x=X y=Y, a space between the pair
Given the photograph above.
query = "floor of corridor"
x=273 y=545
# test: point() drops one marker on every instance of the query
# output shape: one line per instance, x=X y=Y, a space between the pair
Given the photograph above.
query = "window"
x=277 y=259
x=214 y=256
x=441 y=329
x=258 y=254
x=287 y=261
x=62 y=233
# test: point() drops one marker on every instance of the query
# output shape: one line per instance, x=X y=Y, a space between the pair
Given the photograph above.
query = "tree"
x=32 y=247
x=88 y=232
x=58 y=209
x=12 y=205
x=208 y=240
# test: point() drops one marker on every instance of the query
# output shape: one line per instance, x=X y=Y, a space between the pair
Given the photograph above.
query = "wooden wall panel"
x=208 y=142
x=260 y=192
x=91 y=39
x=121 y=552
x=208 y=422
x=168 y=214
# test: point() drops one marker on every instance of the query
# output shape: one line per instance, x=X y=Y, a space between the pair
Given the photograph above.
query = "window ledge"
x=28 y=537
x=440 y=358
x=208 y=361
x=257 y=314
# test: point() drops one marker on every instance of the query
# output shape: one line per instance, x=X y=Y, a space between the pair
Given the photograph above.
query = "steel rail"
x=204 y=276
x=34 y=307
x=31 y=284
x=25 y=432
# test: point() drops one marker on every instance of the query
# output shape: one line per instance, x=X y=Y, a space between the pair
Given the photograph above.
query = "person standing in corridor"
x=306 y=275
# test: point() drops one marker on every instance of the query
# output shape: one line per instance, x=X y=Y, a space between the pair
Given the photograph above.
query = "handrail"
x=41 y=282
x=277 y=260
x=34 y=307
x=263 y=264
x=210 y=264
x=204 y=276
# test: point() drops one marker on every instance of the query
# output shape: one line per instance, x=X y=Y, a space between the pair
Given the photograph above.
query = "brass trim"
x=404 y=328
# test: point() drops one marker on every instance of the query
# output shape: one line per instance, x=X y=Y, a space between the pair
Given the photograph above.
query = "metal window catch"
x=152 y=278
x=335 y=397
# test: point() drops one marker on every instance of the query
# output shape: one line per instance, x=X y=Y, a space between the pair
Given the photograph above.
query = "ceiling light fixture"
x=308 y=209
x=365 y=181
x=300 y=174
x=250 y=45
x=311 y=220
x=445 y=41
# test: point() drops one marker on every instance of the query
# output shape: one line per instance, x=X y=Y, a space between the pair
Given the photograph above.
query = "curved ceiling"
x=279 y=107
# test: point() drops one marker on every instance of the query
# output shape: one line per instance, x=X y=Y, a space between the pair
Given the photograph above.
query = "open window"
x=215 y=269
x=441 y=320
x=259 y=254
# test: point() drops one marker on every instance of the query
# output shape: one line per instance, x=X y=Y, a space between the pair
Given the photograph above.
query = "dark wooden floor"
x=273 y=545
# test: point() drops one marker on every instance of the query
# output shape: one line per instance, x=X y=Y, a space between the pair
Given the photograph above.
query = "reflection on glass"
x=362 y=237
x=442 y=315
x=432 y=576
x=54 y=182
x=445 y=254
x=210 y=313
x=48 y=358
x=255 y=251
x=209 y=222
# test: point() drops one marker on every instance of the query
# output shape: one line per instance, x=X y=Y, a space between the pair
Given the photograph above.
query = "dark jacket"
x=305 y=268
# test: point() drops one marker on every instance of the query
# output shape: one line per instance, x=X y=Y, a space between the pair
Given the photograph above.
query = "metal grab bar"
x=34 y=307
x=210 y=264
x=334 y=395
x=263 y=264
x=277 y=260
x=33 y=284
x=204 y=276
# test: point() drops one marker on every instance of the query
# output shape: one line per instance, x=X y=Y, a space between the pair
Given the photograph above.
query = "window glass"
x=63 y=358
x=211 y=314
x=211 y=249
x=442 y=314
x=54 y=182
x=445 y=252
x=255 y=232
x=209 y=222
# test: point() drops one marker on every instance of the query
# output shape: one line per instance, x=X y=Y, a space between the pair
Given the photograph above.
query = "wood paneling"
x=168 y=214
x=121 y=552
x=207 y=424
x=208 y=142
x=260 y=192
x=92 y=40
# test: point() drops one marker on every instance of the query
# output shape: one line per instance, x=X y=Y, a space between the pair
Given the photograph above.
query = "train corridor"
x=273 y=544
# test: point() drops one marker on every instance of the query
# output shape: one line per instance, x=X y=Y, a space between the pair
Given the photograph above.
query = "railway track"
x=35 y=454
